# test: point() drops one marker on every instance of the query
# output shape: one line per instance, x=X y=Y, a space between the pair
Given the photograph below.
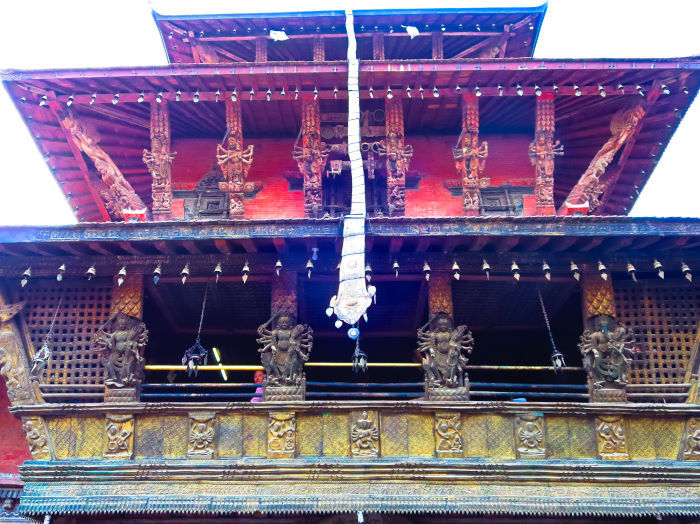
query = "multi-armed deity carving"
x=398 y=157
x=121 y=342
x=158 y=159
x=607 y=348
x=364 y=437
x=593 y=183
x=284 y=347
x=542 y=152
x=470 y=156
x=234 y=160
x=311 y=156
x=445 y=351
x=120 y=195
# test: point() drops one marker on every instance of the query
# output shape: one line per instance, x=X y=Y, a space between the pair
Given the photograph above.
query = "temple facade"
x=369 y=266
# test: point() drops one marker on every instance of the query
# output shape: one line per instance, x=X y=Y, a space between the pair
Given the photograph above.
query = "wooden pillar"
x=440 y=294
x=319 y=48
x=311 y=156
x=437 y=45
x=261 y=49
x=128 y=298
x=470 y=157
x=378 y=46
x=234 y=160
x=158 y=160
x=284 y=293
x=398 y=156
x=543 y=149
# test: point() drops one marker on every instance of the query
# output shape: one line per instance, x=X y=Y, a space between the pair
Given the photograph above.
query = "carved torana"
x=201 y=439
x=611 y=437
x=529 y=436
x=120 y=436
x=234 y=160
x=121 y=342
x=120 y=195
x=593 y=182
x=469 y=155
x=35 y=434
x=364 y=436
x=445 y=350
x=158 y=159
x=543 y=150
x=448 y=439
x=398 y=156
x=690 y=449
x=311 y=156
x=281 y=435
x=284 y=347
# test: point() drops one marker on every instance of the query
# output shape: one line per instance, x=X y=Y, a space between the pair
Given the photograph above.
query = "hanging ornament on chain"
x=196 y=355
x=43 y=356
x=557 y=358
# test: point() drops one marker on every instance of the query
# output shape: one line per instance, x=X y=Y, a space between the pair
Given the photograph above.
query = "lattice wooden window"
x=84 y=309
x=664 y=315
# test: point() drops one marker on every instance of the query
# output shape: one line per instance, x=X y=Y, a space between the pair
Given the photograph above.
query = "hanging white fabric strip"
x=353 y=297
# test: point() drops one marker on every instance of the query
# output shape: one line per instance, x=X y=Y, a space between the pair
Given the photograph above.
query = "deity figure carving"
x=470 y=156
x=448 y=439
x=285 y=346
x=612 y=443
x=120 y=436
x=542 y=152
x=121 y=342
x=311 y=156
x=202 y=433
x=445 y=351
x=607 y=353
x=398 y=158
x=691 y=440
x=39 y=362
x=158 y=160
x=364 y=437
x=36 y=438
x=281 y=434
x=529 y=436
x=234 y=160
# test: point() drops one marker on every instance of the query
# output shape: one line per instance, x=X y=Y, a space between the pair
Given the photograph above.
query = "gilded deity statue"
x=607 y=352
x=284 y=347
x=121 y=342
x=364 y=437
x=445 y=351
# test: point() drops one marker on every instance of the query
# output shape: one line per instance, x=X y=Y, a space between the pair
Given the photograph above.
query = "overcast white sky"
x=100 y=33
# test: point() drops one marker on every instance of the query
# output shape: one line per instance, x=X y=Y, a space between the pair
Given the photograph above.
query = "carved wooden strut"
x=593 y=183
x=119 y=194
x=311 y=156
x=234 y=160
x=398 y=157
x=543 y=150
x=470 y=157
x=158 y=160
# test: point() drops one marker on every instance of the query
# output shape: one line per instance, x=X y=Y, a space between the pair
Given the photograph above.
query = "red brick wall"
x=432 y=158
x=13 y=448
x=271 y=161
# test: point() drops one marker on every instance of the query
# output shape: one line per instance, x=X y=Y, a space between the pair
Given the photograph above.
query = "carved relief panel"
x=281 y=435
x=364 y=435
x=37 y=438
x=448 y=437
x=120 y=436
x=611 y=436
x=201 y=441
x=529 y=436
x=690 y=445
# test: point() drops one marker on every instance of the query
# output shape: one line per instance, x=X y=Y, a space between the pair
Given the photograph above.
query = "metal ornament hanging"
x=556 y=357
x=43 y=356
x=196 y=355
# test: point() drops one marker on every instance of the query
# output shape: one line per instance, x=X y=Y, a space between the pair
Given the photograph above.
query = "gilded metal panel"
x=161 y=436
x=90 y=437
x=690 y=442
x=63 y=436
x=558 y=438
x=119 y=434
x=667 y=435
x=230 y=442
x=582 y=443
x=364 y=434
x=281 y=434
x=499 y=437
x=394 y=434
x=336 y=442
x=420 y=435
x=449 y=442
x=640 y=439
x=475 y=434
x=529 y=434
x=613 y=437
x=310 y=434
x=201 y=435
x=254 y=435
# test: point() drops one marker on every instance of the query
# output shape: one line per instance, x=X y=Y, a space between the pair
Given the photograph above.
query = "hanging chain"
x=55 y=316
x=546 y=320
x=201 y=316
